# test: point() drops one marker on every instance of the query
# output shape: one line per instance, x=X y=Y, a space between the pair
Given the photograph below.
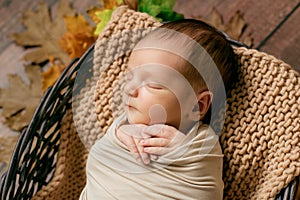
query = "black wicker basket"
x=34 y=159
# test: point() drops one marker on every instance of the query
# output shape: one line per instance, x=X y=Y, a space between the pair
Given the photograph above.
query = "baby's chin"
x=135 y=120
x=144 y=121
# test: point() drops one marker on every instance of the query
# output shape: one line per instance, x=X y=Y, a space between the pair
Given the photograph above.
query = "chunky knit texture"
x=260 y=139
x=262 y=128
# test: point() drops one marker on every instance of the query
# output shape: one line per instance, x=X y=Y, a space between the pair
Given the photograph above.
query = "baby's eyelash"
x=155 y=86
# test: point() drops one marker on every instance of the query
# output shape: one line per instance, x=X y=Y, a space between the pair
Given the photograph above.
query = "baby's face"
x=155 y=91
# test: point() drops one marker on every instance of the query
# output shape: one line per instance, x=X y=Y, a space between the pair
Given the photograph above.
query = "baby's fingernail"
x=146 y=161
x=154 y=157
x=142 y=142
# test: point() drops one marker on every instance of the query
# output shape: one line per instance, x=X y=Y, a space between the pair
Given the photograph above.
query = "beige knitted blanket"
x=261 y=135
x=193 y=170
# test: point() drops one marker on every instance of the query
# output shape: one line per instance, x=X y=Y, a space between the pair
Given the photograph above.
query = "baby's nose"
x=131 y=89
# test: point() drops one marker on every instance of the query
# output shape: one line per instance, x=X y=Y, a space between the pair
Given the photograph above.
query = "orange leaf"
x=79 y=36
x=110 y=4
x=91 y=12
x=51 y=75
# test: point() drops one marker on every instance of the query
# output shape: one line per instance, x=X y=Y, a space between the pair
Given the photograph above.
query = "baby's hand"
x=162 y=139
x=131 y=136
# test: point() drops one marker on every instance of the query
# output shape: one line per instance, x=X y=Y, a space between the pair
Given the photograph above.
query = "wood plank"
x=285 y=43
x=195 y=8
x=261 y=16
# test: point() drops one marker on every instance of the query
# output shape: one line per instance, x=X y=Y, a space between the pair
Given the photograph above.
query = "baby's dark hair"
x=214 y=42
x=209 y=39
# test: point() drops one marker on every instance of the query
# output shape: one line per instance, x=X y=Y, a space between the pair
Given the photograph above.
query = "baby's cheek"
x=158 y=114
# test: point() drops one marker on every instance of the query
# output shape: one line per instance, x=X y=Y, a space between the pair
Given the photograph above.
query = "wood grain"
x=287 y=49
x=261 y=18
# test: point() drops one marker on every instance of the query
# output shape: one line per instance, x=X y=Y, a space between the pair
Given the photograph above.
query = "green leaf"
x=160 y=9
x=119 y=1
x=149 y=7
x=168 y=5
x=104 y=16
x=170 y=16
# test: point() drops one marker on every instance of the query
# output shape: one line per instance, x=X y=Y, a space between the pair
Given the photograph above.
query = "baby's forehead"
x=145 y=56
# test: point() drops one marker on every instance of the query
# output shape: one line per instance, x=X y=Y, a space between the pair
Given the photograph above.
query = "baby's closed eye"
x=155 y=86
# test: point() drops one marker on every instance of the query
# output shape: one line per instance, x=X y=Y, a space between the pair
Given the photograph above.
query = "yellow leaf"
x=79 y=36
x=104 y=17
x=111 y=4
x=51 y=75
x=92 y=14
x=77 y=23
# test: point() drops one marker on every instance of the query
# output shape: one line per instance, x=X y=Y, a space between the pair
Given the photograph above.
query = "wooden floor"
x=262 y=17
x=273 y=25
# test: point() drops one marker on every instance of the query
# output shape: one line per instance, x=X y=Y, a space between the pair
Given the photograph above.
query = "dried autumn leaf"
x=43 y=32
x=50 y=76
x=20 y=100
x=79 y=36
x=111 y=4
x=91 y=13
x=104 y=15
x=132 y=4
x=7 y=145
x=215 y=19
x=248 y=40
x=235 y=26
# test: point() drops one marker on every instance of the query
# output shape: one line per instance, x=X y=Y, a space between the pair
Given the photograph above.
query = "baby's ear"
x=202 y=106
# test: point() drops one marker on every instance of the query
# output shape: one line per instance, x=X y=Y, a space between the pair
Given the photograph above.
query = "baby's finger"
x=132 y=130
x=129 y=142
x=143 y=157
x=160 y=130
x=153 y=157
x=157 y=150
x=157 y=142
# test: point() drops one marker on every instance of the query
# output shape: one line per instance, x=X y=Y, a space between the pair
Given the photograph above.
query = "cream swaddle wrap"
x=192 y=171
